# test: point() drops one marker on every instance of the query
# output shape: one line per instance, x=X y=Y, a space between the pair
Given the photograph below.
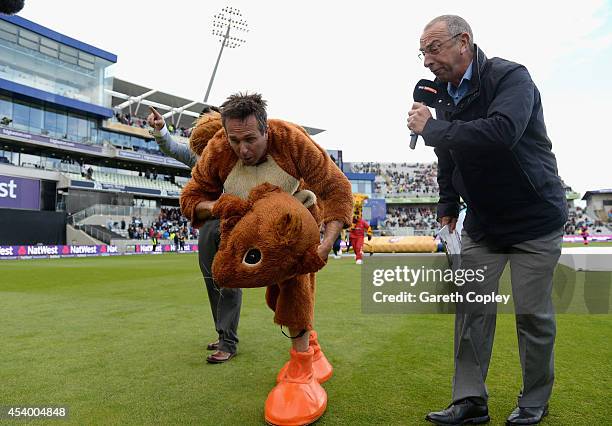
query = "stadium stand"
x=419 y=218
x=411 y=192
x=401 y=179
x=102 y=234
x=579 y=218
x=181 y=133
x=126 y=180
x=169 y=220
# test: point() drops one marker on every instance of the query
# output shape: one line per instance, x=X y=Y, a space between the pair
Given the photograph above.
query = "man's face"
x=249 y=144
x=447 y=64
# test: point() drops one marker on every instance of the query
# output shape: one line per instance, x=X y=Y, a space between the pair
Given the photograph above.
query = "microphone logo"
x=429 y=89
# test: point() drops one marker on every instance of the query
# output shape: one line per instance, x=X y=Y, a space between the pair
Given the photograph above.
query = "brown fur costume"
x=270 y=240
x=205 y=128
x=297 y=165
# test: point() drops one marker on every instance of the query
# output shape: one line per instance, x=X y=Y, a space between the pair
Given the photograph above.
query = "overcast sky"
x=350 y=66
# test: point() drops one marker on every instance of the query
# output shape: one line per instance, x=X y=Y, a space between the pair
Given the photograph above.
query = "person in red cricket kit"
x=359 y=229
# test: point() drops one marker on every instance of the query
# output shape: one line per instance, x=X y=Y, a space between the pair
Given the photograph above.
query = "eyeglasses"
x=435 y=47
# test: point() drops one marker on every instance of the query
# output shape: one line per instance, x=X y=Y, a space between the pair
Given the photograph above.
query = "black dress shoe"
x=527 y=415
x=460 y=413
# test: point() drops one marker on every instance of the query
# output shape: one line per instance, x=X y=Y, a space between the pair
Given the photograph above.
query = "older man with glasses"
x=493 y=151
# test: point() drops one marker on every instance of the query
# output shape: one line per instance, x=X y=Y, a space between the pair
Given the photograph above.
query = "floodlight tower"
x=228 y=20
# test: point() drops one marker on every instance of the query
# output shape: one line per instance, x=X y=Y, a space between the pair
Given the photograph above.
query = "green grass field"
x=121 y=340
x=591 y=244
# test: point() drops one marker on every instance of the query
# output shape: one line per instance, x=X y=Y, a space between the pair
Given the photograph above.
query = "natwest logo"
x=7 y=189
x=6 y=251
x=39 y=250
x=83 y=249
x=19 y=193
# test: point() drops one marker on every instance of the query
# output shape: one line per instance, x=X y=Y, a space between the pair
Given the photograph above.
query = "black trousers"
x=225 y=303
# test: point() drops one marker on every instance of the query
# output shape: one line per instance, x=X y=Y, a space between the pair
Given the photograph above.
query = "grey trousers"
x=225 y=303
x=532 y=265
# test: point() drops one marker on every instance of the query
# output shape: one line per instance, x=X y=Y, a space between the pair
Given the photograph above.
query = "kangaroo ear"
x=230 y=205
x=310 y=262
x=288 y=228
x=306 y=197
x=309 y=200
x=262 y=190
x=227 y=225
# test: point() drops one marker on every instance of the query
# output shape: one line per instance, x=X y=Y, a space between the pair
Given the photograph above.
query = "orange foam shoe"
x=298 y=399
x=323 y=370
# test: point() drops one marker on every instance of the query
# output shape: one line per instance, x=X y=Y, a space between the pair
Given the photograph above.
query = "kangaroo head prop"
x=267 y=239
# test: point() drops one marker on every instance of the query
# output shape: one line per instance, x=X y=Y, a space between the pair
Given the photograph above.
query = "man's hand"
x=155 y=119
x=417 y=117
x=203 y=209
x=448 y=220
x=323 y=250
x=332 y=230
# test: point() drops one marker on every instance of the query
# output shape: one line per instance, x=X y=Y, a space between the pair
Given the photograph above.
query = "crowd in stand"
x=375 y=168
x=578 y=220
x=418 y=179
x=169 y=223
x=409 y=179
x=419 y=218
x=134 y=121
x=420 y=183
x=404 y=179
x=129 y=120
x=147 y=174
x=424 y=219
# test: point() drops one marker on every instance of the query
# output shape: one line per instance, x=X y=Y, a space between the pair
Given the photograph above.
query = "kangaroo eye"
x=252 y=257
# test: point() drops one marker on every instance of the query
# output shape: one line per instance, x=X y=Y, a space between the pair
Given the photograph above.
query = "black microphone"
x=426 y=92
x=413 y=139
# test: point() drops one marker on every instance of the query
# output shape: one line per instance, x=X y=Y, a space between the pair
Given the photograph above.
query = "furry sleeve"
x=207 y=177
x=301 y=157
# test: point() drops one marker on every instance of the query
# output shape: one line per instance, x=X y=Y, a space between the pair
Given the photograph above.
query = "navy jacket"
x=493 y=151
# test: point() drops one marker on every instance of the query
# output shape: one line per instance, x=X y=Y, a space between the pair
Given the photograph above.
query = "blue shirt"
x=457 y=93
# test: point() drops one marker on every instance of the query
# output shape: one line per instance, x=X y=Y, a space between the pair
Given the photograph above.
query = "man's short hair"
x=243 y=105
x=456 y=25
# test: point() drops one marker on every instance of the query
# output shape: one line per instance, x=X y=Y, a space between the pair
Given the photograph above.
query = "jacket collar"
x=478 y=64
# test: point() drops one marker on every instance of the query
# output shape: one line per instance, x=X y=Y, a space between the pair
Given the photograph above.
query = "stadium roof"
x=135 y=99
x=596 y=192
x=59 y=37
